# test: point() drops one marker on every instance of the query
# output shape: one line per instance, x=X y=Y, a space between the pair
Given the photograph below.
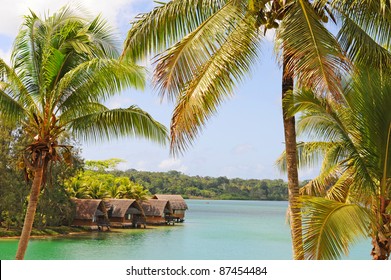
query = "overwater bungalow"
x=91 y=213
x=126 y=213
x=157 y=211
x=178 y=205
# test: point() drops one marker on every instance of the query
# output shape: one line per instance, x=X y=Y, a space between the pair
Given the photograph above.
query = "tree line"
x=175 y=182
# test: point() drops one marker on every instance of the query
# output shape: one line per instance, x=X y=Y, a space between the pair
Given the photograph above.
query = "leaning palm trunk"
x=291 y=162
x=30 y=213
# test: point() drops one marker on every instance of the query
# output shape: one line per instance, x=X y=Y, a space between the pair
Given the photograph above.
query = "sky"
x=244 y=138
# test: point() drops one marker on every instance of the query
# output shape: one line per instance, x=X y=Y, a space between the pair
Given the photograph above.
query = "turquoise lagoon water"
x=213 y=230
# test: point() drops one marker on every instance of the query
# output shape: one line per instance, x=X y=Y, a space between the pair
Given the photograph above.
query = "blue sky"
x=242 y=140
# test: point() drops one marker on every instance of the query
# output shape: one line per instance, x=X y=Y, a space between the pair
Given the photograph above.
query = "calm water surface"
x=213 y=230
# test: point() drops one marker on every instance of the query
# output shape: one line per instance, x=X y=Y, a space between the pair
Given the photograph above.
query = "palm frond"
x=370 y=100
x=213 y=83
x=309 y=154
x=76 y=31
x=165 y=25
x=54 y=67
x=320 y=126
x=330 y=227
x=176 y=66
x=361 y=47
x=325 y=119
x=337 y=126
x=318 y=186
x=118 y=123
x=72 y=113
x=26 y=57
x=340 y=190
x=95 y=81
x=10 y=110
x=319 y=116
x=330 y=172
x=101 y=36
x=374 y=20
x=14 y=87
x=314 y=54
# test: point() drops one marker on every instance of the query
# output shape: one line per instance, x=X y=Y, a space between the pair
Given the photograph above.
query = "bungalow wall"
x=155 y=220
x=98 y=221
x=178 y=213
x=116 y=221
x=133 y=219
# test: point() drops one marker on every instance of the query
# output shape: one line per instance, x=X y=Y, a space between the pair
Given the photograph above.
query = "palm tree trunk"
x=30 y=214
x=381 y=241
x=291 y=162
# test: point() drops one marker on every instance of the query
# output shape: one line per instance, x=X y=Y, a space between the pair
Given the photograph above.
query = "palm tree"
x=63 y=68
x=352 y=137
x=135 y=191
x=75 y=187
x=206 y=47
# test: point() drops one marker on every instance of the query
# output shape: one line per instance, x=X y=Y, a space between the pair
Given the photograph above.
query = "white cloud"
x=172 y=164
x=12 y=12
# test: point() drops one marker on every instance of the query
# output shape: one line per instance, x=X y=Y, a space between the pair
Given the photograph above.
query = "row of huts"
x=160 y=209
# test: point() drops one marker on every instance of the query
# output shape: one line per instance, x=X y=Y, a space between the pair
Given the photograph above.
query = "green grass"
x=49 y=231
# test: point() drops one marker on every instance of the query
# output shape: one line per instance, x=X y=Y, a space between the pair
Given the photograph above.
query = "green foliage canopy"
x=98 y=185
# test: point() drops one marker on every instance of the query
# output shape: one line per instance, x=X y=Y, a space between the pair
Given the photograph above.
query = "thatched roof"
x=86 y=209
x=124 y=206
x=177 y=202
x=156 y=207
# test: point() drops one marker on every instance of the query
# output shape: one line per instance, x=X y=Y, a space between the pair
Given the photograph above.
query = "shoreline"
x=78 y=232
x=44 y=233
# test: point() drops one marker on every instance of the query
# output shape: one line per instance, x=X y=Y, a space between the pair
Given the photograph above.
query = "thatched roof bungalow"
x=178 y=205
x=157 y=211
x=125 y=212
x=90 y=212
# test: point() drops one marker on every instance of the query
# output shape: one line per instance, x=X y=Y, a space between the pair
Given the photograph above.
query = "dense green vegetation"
x=175 y=182
x=101 y=179
x=13 y=189
x=100 y=185
x=55 y=207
